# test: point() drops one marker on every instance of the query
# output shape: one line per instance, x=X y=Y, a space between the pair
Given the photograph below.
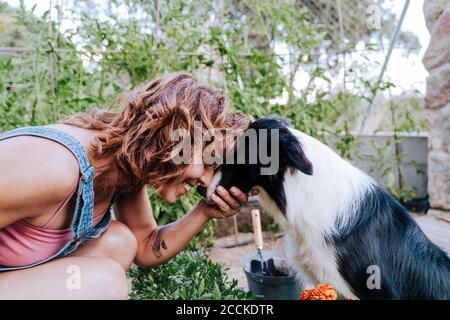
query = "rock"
x=432 y=9
x=437 y=101
x=439 y=179
x=438 y=51
x=438 y=87
x=438 y=122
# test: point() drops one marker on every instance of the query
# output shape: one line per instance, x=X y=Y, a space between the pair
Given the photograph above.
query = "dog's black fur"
x=383 y=233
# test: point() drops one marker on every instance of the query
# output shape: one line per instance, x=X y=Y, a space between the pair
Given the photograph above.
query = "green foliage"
x=357 y=21
x=189 y=276
x=119 y=44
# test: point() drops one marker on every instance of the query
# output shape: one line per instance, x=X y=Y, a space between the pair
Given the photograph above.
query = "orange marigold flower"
x=323 y=291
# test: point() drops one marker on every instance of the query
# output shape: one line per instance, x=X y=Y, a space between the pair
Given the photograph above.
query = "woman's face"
x=194 y=174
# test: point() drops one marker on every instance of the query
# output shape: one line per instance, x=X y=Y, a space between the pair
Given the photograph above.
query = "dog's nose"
x=201 y=191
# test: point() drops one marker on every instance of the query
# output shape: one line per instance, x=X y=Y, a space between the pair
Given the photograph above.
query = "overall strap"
x=83 y=216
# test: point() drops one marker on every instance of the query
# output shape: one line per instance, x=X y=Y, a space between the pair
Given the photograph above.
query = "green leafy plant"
x=189 y=276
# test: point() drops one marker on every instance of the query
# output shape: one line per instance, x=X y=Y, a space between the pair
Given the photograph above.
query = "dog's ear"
x=292 y=153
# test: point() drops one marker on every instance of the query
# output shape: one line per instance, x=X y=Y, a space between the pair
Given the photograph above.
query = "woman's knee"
x=118 y=243
x=120 y=237
x=108 y=281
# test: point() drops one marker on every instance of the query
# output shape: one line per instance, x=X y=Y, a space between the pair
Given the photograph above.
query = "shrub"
x=188 y=276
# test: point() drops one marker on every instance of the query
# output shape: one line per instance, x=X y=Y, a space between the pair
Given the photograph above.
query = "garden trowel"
x=266 y=268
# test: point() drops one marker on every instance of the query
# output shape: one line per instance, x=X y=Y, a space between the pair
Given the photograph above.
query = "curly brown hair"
x=139 y=137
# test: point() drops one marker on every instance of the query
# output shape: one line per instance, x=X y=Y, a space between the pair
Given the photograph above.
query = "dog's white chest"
x=314 y=260
x=307 y=251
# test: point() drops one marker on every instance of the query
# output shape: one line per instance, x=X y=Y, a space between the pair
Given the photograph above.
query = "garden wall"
x=408 y=172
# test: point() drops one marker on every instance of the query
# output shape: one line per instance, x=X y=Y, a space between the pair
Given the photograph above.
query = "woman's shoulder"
x=35 y=171
x=31 y=153
x=83 y=135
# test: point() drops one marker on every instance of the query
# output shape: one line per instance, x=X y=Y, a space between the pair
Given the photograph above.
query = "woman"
x=57 y=240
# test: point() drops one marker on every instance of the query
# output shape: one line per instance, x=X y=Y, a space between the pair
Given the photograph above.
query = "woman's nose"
x=206 y=178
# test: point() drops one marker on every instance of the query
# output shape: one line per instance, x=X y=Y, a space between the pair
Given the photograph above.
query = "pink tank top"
x=23 y=243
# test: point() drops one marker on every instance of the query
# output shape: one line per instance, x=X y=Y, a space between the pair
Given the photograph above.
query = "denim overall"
x=82 y=228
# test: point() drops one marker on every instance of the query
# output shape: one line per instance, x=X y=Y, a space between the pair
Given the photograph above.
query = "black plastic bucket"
x=270 y=287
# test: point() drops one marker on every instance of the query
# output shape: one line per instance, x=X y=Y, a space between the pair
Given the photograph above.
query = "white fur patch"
x=213 y=185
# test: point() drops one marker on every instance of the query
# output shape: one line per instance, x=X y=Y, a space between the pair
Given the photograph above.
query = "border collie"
x=344 y=228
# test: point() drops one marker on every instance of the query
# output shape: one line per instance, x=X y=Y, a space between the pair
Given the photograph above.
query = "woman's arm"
x=156 y=244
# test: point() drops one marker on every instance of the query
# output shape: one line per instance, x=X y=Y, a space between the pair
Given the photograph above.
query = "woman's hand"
x=226 y=203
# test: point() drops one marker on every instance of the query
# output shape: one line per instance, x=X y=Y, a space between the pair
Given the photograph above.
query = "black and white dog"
x=345 y=229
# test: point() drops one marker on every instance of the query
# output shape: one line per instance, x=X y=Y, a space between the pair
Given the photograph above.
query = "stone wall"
x=437 y=101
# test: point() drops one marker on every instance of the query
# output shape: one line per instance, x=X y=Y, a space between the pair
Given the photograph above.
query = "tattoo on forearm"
x=159 y=243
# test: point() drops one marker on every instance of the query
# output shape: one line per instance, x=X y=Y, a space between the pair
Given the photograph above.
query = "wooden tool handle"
x=257 y=231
